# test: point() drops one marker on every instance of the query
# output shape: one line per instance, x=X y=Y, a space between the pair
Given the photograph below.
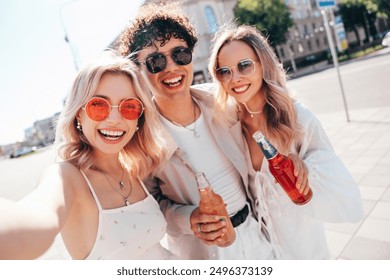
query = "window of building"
x=199 y=78
x=282 y=52
x=292 y=48
x=300 y=48
x=306 y=30
x=211 y=19
x=318 y=42
x=309 y=45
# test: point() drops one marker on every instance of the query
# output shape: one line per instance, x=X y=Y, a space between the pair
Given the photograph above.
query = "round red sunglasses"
x=98 y=108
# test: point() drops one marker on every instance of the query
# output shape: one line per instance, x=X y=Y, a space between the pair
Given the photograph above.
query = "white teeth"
x=110 y=138
x=173 y=81
x=241 y=89
x=111 y=135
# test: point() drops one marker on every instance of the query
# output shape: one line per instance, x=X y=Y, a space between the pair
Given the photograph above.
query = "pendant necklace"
x=121 y=183
x=252 y=113
x=193 y=130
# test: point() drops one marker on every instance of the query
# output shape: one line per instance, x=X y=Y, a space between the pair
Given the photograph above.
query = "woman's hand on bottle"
x=302 y=174
x=208 y=228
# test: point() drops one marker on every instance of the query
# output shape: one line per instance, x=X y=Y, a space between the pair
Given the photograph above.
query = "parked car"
x=386 y=40
x=23 y=151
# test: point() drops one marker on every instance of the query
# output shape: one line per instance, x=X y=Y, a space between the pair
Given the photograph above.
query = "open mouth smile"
x=173 y=82
x=241 y=89
x=111 y=135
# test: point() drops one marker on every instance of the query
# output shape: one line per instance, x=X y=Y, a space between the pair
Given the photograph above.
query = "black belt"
x=240 y=216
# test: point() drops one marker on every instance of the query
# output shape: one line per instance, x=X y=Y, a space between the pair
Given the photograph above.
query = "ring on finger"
x=199 y=228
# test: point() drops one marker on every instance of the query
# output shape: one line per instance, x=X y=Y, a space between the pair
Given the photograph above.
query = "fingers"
x=198 y=218
x=302 y=174
x=211 y=238
x=208 y=228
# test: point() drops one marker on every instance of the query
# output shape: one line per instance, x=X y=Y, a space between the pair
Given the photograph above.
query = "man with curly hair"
x=161 y=41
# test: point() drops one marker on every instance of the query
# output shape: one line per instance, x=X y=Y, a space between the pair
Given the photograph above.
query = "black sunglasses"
x=156 y=62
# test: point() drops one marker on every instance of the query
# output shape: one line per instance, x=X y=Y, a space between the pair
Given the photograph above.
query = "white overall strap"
x=92 y=191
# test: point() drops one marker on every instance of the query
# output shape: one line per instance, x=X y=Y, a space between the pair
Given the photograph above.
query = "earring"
x=79 y=126
x=136 y=129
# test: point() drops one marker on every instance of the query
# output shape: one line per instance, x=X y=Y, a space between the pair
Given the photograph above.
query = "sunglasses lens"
x=156 y=63
x=97 y=109
x=223 y=74
x=182 y=56
x=131 y=108
x=246 y=67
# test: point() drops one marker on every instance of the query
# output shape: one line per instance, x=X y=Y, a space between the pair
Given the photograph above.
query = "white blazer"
x=298 y=230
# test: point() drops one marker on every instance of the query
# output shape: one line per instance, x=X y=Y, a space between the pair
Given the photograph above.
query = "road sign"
x=326 y=3
x=341 y=36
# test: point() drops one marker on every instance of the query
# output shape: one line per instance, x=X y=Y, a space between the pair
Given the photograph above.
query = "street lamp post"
x=335 y=60
x=67 y=40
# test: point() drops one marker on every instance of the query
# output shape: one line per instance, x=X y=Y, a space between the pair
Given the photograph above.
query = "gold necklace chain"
x=122 y=185
x=193 y=130
x=252 y=113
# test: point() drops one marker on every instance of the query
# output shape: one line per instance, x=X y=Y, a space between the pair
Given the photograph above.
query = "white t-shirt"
x=204 y=155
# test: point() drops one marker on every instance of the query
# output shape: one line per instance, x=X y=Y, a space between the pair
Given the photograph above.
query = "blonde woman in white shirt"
x=247 y=72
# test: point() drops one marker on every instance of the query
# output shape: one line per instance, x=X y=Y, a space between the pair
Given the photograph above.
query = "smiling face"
x=113 y=133
x=243 y=88
x=175 y=80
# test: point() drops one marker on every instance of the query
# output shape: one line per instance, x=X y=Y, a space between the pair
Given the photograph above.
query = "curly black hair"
x=156 y=23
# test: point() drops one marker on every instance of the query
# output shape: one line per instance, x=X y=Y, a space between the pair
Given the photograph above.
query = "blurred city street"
x=363 y=144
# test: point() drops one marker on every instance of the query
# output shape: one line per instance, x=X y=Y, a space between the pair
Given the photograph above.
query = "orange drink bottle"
x=212 y=203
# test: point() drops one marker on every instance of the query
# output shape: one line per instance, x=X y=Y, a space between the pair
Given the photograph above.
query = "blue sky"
x=37 y=65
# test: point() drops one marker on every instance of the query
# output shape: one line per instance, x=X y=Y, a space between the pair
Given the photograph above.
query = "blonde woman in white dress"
x=95 y=197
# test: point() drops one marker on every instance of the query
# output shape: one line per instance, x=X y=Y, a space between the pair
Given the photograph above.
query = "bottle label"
x=267 y=148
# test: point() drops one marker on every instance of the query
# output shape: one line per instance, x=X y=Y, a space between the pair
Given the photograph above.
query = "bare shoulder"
x=63 y=174
x=61 y=170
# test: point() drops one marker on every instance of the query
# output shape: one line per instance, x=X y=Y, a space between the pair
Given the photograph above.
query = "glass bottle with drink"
x=213 y=204
x=282 y=168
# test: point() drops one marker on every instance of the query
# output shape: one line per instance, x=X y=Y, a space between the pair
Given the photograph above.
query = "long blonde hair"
x=144 y=152
x=279 y=108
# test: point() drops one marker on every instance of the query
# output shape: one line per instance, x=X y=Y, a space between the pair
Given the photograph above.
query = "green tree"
x=383 y=7
x=272 y=17
x=359 y=13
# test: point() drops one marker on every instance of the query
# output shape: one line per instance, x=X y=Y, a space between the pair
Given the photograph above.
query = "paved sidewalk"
x=364 y=146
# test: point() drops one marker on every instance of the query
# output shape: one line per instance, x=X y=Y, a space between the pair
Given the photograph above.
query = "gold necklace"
x=193 y=130
x=121 y=183
x=252 y=113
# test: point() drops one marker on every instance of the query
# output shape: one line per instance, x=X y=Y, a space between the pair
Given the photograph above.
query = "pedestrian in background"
x=95 y=196
x=248 y=74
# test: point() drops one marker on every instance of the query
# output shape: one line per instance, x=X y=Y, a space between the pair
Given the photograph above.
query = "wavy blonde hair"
x=144 y=152
x=279 y=108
